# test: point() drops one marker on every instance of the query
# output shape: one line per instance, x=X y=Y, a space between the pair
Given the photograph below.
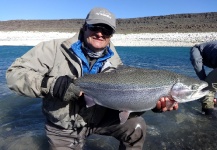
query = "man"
x=48 y=71
x=205 y=54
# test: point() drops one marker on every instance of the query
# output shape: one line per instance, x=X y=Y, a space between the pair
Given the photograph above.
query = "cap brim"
x=95 y=21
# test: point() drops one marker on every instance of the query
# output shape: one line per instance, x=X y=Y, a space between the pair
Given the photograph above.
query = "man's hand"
x=166 y=104
x=65 y=90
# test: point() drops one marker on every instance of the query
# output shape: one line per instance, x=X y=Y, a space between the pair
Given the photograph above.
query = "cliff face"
x=199 y=22
x=202 y=22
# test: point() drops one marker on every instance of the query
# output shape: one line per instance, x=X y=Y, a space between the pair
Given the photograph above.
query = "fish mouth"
x=202 y=90
x=204 y=87
x=191 y=95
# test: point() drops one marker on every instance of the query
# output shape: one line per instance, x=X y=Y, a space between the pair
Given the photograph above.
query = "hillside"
x=199 y=22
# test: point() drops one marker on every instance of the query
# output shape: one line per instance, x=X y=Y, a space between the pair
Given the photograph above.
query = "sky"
x=78 y=9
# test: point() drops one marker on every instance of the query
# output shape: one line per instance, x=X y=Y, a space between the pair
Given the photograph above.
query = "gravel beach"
x=22 y=38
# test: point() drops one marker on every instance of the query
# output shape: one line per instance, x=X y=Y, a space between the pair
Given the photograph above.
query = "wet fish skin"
x=131 y=89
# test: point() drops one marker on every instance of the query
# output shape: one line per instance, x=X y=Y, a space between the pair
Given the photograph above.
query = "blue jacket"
x=96 y=68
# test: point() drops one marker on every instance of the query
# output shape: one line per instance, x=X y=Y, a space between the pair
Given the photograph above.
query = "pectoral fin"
x=89 y=101
x=124 y=116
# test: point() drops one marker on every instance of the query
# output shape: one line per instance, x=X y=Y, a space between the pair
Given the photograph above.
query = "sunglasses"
x=105 y=31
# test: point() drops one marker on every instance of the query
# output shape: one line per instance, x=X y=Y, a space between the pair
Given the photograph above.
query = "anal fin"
x=123 y=115
x=89 y=101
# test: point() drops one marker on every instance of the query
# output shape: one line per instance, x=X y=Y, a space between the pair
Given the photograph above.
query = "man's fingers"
x=164 y=109
x=163 y=102
x=158 y=105
x=176 y=106
x=166 y=104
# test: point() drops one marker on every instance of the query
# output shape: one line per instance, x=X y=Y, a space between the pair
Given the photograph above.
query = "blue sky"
x=78 y=9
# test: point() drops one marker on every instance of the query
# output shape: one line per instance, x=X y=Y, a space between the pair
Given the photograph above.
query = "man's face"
x=97 y=36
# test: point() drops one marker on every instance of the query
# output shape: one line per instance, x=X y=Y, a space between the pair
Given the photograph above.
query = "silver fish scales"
x=131 y=89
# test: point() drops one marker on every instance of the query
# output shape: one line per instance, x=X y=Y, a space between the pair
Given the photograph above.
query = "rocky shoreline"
x=31 y=38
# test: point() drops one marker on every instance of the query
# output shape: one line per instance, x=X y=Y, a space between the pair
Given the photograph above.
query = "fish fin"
x=124 y=116
x=89 y=101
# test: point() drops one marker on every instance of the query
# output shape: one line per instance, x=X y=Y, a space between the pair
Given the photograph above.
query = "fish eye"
x=194 y=87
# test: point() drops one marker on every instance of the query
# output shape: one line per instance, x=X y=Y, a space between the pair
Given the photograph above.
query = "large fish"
x=131 y=89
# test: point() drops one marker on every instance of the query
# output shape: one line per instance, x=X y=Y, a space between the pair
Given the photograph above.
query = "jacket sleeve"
x=197 y=62
x=25 y=75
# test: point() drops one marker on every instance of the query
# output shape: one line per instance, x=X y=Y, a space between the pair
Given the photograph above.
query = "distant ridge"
x=195 y=22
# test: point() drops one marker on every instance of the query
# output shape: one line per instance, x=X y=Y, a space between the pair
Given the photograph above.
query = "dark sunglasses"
x=105 y=31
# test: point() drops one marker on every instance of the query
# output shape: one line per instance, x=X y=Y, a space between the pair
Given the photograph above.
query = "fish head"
x=188 y=89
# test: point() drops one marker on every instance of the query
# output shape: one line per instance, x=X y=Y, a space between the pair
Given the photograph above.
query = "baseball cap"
x=101 y=15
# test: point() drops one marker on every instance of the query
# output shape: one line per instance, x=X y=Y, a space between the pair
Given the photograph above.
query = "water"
x=169 y=58
x=22 y=122
x=21 y=119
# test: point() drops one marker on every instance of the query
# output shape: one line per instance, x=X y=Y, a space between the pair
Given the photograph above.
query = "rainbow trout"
x=131 y=89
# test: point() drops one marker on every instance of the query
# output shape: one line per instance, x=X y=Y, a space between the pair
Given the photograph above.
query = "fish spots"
x=132 y=89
